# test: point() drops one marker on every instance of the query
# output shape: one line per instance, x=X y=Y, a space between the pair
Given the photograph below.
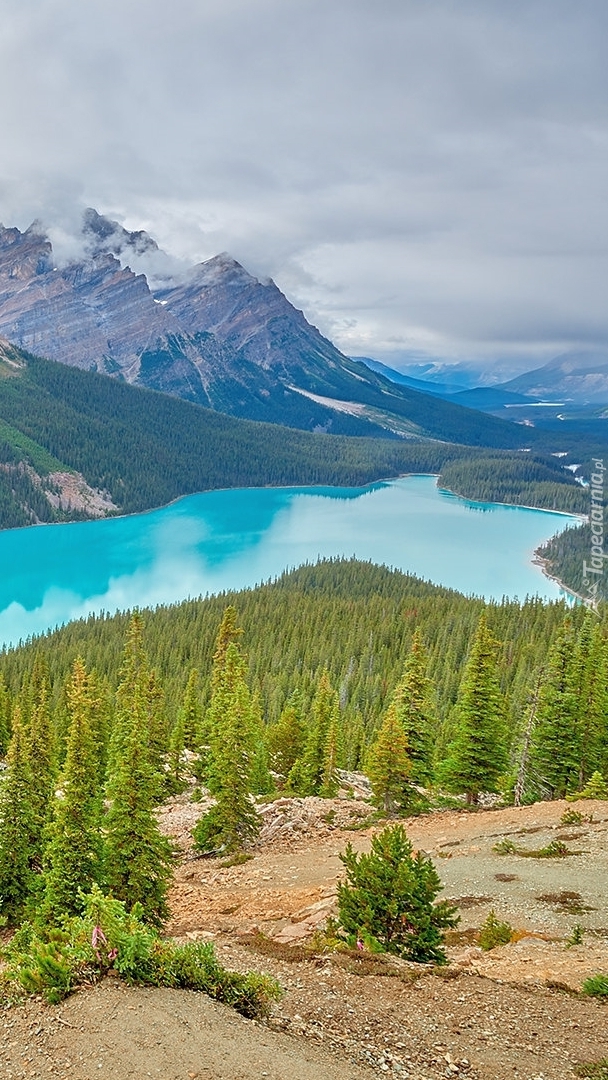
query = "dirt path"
x=115 y=1033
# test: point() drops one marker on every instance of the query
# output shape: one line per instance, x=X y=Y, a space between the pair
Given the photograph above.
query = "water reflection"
x=233 y=539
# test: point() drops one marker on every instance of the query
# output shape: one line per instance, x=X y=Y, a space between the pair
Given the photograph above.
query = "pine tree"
x=325 y=712
x=287 y=738
x=73 y=855
x=412 y=706
x=556 y=751
x=41 y=748
x=5 y=717
x=16 y=825
x=233 y=820
x=477 y=755
x=137 y=856
x=389 y=898
x=389 y=766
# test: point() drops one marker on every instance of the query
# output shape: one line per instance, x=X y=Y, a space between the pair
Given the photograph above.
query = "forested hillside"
x=144 y=449
x=355 y=619
x=341 y=665
x=564 y=556
x=526 y=480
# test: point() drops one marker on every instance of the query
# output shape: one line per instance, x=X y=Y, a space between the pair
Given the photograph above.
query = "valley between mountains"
x=177 y=786
x=128 y=379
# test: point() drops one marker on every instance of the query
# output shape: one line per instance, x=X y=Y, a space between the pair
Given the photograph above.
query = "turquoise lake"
x=231 y=539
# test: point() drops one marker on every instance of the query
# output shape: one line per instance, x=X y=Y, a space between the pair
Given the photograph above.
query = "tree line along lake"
x=232 y=539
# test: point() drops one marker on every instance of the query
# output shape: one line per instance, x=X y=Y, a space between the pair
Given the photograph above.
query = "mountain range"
x=580 y=376
x=212 y=334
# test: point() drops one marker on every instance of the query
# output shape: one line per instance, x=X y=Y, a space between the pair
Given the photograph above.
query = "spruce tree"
x=287 y=738
x=556 y=751
x=177 y=744
x=334 y=752
x=5 y=717
x=412 y=705
x=137 y=856
x=477 y=755
x=389 y=766
x=16 y=825
x=228 y=634
x=134 y=677
x=41 y=748
x=590 y=687
x=325 y=712
x=73 y=855
x=233 y=820
x=192 y=711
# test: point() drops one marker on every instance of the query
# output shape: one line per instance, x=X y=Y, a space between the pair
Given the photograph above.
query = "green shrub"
x=576 y=937
x=54 y=961
x=555 y=850
x=505 y=847
x=493 y=932
x=593 y=1070
x=571 y=817
x=596 y=986
x=387 y=900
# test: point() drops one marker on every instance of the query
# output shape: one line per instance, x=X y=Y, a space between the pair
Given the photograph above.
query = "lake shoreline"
x=582 y=518
x=536 y=560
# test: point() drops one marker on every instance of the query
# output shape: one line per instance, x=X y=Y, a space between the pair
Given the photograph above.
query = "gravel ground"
x=512 y=1012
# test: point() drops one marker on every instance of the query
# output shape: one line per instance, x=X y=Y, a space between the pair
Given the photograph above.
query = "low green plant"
x=387 y=901
x=493 y=932
x=237 y=859
x=54 y=961
x=571 y=817
x=596 y=986
x=555 y=850
x=576 y=937
x=505 y=847
x=49 y=972
x=593 y=1070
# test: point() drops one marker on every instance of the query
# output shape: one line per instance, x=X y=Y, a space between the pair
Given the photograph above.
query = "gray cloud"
x=419 y=177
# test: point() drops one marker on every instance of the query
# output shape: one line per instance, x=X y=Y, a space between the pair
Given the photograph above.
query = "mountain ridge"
x=214 y=335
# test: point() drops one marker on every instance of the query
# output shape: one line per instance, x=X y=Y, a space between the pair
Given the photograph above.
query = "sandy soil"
x=513 y=1012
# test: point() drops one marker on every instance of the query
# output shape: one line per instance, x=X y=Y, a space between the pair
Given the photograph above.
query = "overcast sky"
x=423 y=177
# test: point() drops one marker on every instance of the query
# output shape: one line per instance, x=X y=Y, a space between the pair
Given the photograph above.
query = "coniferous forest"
x=145 y=449
x=440 y=699
x=336 y=666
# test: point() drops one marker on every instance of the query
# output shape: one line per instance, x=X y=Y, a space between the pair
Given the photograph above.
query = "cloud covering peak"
x=423 y=179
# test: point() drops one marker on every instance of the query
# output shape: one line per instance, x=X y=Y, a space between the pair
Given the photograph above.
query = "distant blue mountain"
x=482 y=398
x=427 y=387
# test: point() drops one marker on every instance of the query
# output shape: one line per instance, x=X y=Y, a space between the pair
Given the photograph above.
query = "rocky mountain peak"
x=105 y=235
x=223 y=270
